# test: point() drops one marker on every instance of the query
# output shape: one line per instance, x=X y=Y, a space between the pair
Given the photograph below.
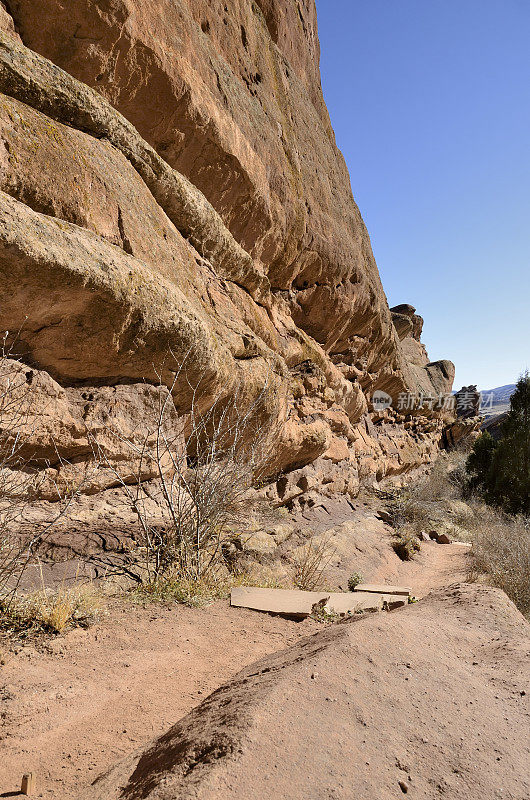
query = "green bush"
x=501 y=470
x=354 y=580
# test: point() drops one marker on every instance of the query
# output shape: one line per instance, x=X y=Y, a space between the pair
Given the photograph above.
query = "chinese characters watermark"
x=463 y=401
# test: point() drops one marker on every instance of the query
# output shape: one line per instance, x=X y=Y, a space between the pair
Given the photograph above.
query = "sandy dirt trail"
x=434 y=567
x=72 y=708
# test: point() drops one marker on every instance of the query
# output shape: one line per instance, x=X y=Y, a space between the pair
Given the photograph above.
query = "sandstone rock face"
x=170 y=190
x=6 y=22
x=468 y=419
x=467 y=401
x=61 y=428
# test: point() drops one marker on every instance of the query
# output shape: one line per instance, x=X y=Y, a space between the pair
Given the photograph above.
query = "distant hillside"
x=501 y=395
x=500 y=402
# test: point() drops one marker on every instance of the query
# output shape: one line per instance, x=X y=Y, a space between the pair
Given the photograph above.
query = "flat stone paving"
x=381 y=588
x=291 y=602
x=298 y=603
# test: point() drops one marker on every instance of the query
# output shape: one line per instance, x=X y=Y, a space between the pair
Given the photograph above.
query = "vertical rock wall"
x=171 y=188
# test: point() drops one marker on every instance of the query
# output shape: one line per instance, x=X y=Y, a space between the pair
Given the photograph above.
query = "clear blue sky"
x=430 y=103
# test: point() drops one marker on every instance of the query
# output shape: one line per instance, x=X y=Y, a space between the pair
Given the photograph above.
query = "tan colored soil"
x=76 y=705
x=429 y=701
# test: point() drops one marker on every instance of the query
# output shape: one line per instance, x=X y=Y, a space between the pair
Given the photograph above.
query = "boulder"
x=402 y=324
x=405 y=309
x=446 y=532
x=467 y=402
x=259 y=544
x=281 y=532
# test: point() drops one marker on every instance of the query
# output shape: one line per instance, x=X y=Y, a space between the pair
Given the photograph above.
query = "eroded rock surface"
x=418 y=696
x=170 y=189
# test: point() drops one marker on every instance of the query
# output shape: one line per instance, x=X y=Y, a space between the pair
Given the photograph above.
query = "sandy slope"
x=89 y=698
x=429 y=700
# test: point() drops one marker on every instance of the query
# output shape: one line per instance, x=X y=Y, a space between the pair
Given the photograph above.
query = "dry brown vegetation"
x=501 y=550
x=53 y=611
x=205 y=460
x=501 y=543
x=16 y=481
x=45 y=610
x=405 y=544
x=197 y=592
x=19 y=482
x=310 y=563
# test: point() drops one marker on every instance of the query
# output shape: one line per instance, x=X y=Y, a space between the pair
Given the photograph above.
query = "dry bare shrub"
x=501 y=543
x=501 y=550
x=447 y=480
x=406 y=510
x=206 y=462
x=16 y=483
x=417 y=507
x=310 y=563
x=19 y=479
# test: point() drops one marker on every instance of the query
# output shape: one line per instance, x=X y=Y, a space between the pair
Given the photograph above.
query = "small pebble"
x=403 y=785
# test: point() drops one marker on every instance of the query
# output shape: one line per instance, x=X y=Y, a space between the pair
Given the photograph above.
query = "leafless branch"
x=206 y=460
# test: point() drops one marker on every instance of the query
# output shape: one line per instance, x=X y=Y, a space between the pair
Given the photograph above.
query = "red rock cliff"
x=170 y=182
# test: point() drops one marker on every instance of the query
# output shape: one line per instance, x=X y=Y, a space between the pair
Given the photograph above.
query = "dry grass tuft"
x=193 y=592
x=501 y=550
x=53 y=611
x=198 y=592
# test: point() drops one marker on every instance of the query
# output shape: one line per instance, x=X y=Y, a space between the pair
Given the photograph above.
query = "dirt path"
x=428 y=701
x=72 y=709
x=435 y=567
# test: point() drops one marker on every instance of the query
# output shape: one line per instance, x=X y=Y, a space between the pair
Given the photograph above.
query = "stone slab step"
x=352 y=602
x=300 y=604
x=392 y=601
x=290 y=602
x=382 y=589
